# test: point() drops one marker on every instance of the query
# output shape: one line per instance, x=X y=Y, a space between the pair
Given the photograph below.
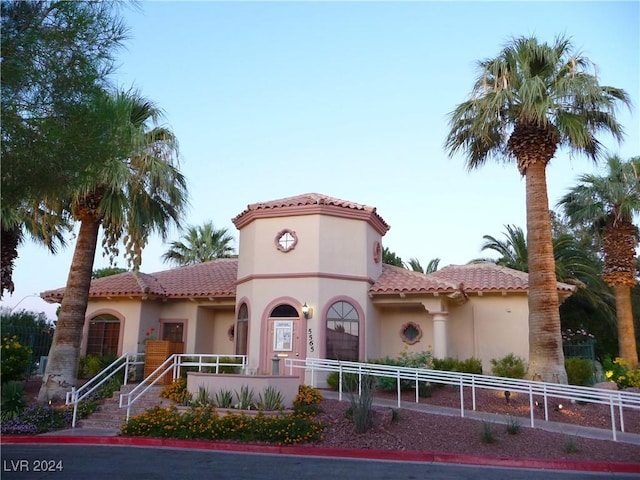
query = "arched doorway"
x=285 y=338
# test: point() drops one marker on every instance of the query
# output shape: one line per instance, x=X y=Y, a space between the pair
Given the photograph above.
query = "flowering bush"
x=205 y=423
x=38 y=419
x=618 y=371
x=177 y=392
x=307 y=400
x=14 y=359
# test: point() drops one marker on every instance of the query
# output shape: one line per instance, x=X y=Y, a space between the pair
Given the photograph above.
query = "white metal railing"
x=173 y=365
x=124 y=363
x=618 y=399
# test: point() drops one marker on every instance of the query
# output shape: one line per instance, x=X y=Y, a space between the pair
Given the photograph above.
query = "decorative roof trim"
x=332 y=276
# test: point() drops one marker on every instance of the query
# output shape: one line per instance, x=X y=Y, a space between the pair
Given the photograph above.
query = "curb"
x=407 y=456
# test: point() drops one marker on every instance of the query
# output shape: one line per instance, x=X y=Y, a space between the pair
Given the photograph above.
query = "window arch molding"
x=323 y=327
x=241 y=327
x=103 y=312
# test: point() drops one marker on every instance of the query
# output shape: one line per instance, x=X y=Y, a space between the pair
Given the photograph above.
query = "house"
x=309 y=281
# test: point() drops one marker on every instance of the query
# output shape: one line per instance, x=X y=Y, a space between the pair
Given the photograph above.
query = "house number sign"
x=311 y=347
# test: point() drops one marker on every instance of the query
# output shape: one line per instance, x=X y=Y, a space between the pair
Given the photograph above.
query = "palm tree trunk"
x=62 y=365
x=546 y=358
x=626 y=331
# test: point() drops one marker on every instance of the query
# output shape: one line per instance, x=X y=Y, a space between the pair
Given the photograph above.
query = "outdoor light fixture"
x=307 y=311
x=507 y=395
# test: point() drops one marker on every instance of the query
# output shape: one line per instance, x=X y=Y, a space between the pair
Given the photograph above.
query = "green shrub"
x=513 y=425
x=510 y=366
x=405 y=359
x=13 y=402
x=486 y=433
x=202 y=398
x=449 y=364
x=361 y=401
x=91 y=365
x=224 y=398
x=15 y=359
x=333 y=379
x=245 y=398
x=618 y=371
x=579 y=371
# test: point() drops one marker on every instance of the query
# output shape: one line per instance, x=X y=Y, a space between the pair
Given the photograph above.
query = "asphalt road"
x=93 y=462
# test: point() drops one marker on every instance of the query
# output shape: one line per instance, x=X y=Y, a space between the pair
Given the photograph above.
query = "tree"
x=432 y=266
x=513 y=251
x=200 y=244
x=526 y=103
x=132 y=195
x=107 y=272
x=390 y=258
x=608 y=204
x=56 y=56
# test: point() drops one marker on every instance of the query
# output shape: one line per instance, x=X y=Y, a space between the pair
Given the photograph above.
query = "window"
x=411 y=333
x=172 y=331
x=286 y=240
x=343 y=327
x=242 y=330
x=103 y=337
x=284 y=310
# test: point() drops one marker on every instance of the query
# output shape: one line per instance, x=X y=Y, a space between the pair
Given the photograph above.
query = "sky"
x=349 y=99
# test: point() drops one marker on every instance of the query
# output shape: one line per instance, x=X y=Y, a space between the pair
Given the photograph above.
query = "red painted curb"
x=614 y=467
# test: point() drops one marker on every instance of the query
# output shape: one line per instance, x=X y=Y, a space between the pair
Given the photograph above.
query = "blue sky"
x=348 y=99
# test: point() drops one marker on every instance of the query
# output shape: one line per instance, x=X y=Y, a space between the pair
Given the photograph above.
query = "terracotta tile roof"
x=210 y=279
x=307 y=202
x=474 y=277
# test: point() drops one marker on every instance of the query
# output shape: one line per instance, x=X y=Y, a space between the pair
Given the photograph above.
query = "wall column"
x=440 y=335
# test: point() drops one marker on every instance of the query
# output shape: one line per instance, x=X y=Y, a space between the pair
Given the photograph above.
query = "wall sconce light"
x=307 y=311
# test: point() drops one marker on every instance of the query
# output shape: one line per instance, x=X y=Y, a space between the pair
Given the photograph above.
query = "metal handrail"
x=173 y=364
x=545 y=390
x=75 y=396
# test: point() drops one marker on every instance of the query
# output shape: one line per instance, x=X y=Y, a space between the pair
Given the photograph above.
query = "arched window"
x=103 y=337
x=284 y=310
x=343 y=328
x=242 y=330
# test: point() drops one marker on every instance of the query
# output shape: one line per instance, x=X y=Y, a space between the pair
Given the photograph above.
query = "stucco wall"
x=389 y=342
x=211 y=331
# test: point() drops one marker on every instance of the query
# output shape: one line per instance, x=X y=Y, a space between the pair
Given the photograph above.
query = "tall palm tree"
x=513 y=251
x=134 y=194
x=608 y=204
x=528 y=101
x=200 y=244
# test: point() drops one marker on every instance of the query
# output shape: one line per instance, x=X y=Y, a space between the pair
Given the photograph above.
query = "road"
x=94 y=462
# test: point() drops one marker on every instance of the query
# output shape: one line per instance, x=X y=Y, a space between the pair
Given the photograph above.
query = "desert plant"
x=245 y=398
x=513 y=425
x=307 y=400
x=202 y=398
x=13 y=402
x=486 y=433
x=618 y=371
x=333 y=379
x=361 y=401
x=570 y=445
x=224 y=398
x=510 y=366
x=579 y=371
x=270 y=399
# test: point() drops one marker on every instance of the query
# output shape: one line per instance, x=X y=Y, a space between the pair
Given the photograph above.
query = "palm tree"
x=528 y=101
x=432 y=266
x=513 y=250
x=608 y=203
x=200 y=244
x=130 y=196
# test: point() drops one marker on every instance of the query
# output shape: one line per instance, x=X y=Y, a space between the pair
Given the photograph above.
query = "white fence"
x=617 y=401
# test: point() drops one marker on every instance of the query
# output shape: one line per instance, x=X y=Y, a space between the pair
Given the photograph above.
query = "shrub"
x=307 y=400
x=177 y=392
x=487 y=433
x=618 y=371
x=245 y=398
x=333 y=379
x=202 y=398
x=270 y=399
x=12 y=400
x=38 y=419
x=422 y=359
x=579 y=371
x=449 y=364
x=510 y=366
x=206 y=424
x=15 y=359
x=513 y=425
x=360 y=404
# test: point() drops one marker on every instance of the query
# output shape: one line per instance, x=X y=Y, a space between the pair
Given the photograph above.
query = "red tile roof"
x=218 y=279
x=473 y=277
x=210 y=279
x=309 y=203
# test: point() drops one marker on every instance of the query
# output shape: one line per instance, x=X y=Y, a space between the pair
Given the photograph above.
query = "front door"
x=285 y=339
